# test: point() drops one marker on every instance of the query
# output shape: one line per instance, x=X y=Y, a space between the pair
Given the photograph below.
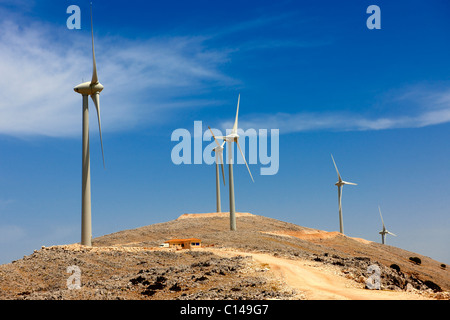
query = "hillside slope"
x=128 y=264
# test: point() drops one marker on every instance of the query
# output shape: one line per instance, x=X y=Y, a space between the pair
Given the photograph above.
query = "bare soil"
x=264 y=259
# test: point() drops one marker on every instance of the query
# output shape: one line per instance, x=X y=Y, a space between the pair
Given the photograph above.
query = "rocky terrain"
x=129 y=264
x=115 y=273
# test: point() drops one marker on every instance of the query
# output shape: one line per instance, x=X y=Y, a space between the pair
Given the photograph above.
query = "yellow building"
x=184 y=243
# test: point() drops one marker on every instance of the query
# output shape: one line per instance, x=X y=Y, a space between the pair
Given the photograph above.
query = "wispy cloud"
x=5 y=202
x=255 y=33
x=11 y=233
x=415 y=107
x=40 y=65
x=251 y=24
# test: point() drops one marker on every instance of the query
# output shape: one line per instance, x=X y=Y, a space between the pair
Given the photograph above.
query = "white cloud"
x=424 y=107
x=40 y=64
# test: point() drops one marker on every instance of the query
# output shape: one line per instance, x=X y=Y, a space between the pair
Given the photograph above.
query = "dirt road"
x=318 y=282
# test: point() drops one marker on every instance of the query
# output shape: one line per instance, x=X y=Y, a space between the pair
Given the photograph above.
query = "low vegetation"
x=395 y=267
x=416 y=260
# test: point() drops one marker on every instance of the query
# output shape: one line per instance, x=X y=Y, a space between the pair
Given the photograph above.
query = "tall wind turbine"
x=91 y=88
x=219 y=158
x=384 y=231
x=233 y=137
x=340 y=184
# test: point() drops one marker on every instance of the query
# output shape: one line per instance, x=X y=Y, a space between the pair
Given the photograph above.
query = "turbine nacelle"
x=384 y=232
x=219 y=149
x=87 y=88
x=341 y=183
x=232 y=137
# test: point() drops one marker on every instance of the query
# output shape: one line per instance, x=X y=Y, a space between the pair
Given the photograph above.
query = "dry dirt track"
x=318 y=283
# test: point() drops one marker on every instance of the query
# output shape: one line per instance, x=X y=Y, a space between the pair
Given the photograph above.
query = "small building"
x=190 y=243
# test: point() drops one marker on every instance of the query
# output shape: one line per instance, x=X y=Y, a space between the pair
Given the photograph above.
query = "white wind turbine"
x=340 y=184
x=233 y=137
x=219 y=158
x=91 y=88
x=384 y=231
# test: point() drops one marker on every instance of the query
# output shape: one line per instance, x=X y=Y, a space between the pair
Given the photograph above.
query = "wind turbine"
x=384 y=231
x=91 y=88
x=233 y=137
x=340 y=184
x=219 y=157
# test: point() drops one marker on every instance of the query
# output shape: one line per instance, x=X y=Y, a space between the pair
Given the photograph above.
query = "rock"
x=365 y=259
x=442 y=296
x=202 y=278
x=410 y=288
x=361 y=279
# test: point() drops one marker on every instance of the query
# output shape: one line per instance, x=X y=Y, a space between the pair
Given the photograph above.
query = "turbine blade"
x=339 y=176
x=214 y=136
x=391 y=234
x=351 y=183
x=237 y=113
x=381 y=216
x=96 y=98
x=237 y=142
x=94 y=72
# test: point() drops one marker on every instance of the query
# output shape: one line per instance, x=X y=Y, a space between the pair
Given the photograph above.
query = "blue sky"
x=378 y=100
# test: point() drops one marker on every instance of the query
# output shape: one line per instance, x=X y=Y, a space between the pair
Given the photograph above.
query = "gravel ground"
x=129 y=264
x=109 y=273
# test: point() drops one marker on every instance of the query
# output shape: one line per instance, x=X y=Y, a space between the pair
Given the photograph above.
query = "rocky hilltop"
x=230 y=265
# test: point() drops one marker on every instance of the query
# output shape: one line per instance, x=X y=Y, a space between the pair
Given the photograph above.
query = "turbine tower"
x=233 y=137
x=340 y=184
x=91 y=88
x=384 y=231
x=219 y=158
